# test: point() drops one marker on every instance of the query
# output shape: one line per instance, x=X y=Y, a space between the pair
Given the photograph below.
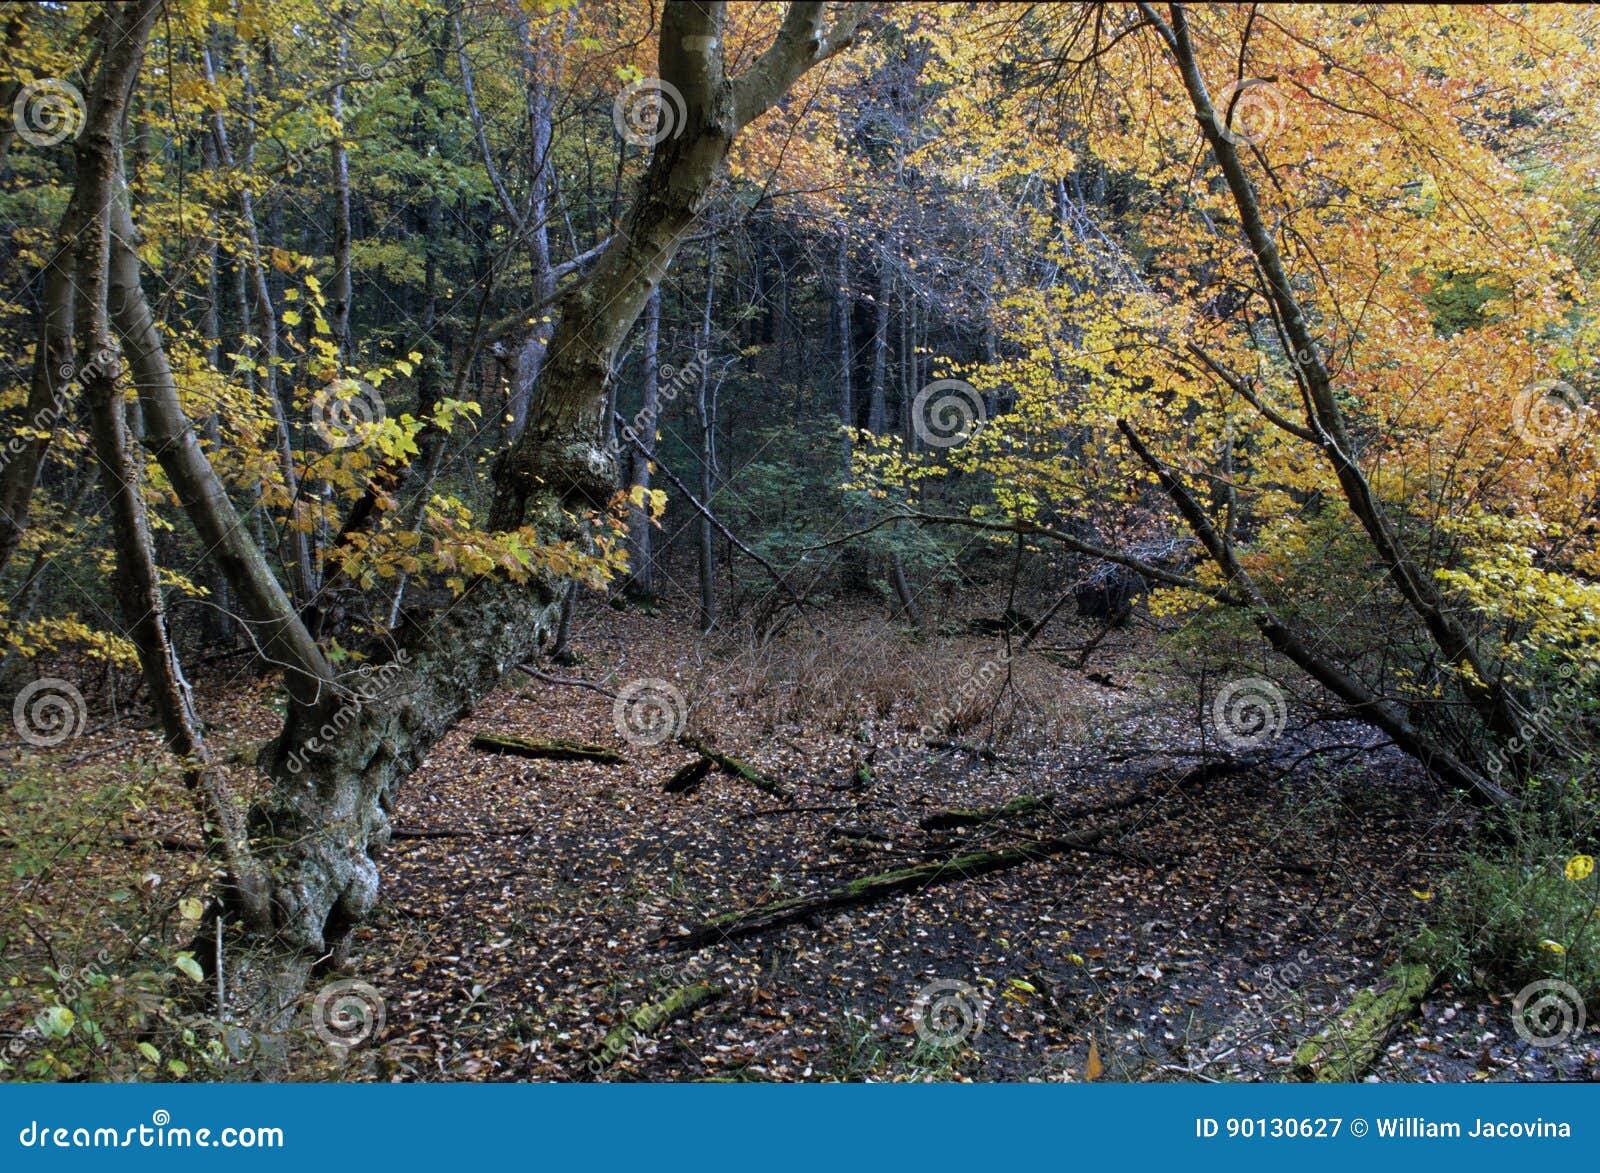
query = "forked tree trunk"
x=343 y=750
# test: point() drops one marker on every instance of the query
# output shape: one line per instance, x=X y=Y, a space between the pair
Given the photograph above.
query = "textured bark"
x=642 y=578
x=556 y=751
x=273 y=623
x=731 y=766
x=136 y=578
x=346 y=745
x=978 y=816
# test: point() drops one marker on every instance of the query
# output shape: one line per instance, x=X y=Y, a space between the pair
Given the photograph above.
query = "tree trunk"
x=705 y=414
x=642 y=580
x=344 y=748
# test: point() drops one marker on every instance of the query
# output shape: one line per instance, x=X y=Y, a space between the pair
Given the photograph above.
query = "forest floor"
x=530 y=906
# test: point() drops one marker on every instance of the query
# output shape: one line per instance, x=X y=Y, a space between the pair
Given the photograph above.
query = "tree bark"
x=343 y=750
x=642 y=579
x=137 y=579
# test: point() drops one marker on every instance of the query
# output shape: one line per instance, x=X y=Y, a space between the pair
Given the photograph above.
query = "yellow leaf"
x=1580 y=867
x=1420 y=895
x=1093 y=1069
x=1550 y=946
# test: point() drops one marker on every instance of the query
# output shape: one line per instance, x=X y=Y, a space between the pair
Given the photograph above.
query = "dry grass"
x=962 y=688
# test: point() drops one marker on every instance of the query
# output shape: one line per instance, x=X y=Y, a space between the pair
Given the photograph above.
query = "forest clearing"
x=798 y=542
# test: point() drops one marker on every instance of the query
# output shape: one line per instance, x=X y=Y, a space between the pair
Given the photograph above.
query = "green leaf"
x=149 y=1052
x=56 y=1022
x=191 y=967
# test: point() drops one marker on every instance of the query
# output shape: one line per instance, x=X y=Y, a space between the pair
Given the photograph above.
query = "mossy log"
x=646 y=1020
x=977 y=816
x=1343 y=1050
x=687 y=779
x=560 y=751
x=739 y=769
x=869 y=889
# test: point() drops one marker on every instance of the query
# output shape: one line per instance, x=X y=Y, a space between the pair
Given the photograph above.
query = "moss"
x=683 y=1001
x=977 y=816
x=561 y=751
x=1343 y=1050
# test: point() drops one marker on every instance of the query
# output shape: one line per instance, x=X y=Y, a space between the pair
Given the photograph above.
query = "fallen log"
x=869 y=889
x=1342 y=1051
x=687 y=779
x=560 y=751
x=682 y=1002
x=737 y=768
x=977 y=816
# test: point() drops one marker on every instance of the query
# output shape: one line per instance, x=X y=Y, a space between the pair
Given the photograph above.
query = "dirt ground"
x=530 y=906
